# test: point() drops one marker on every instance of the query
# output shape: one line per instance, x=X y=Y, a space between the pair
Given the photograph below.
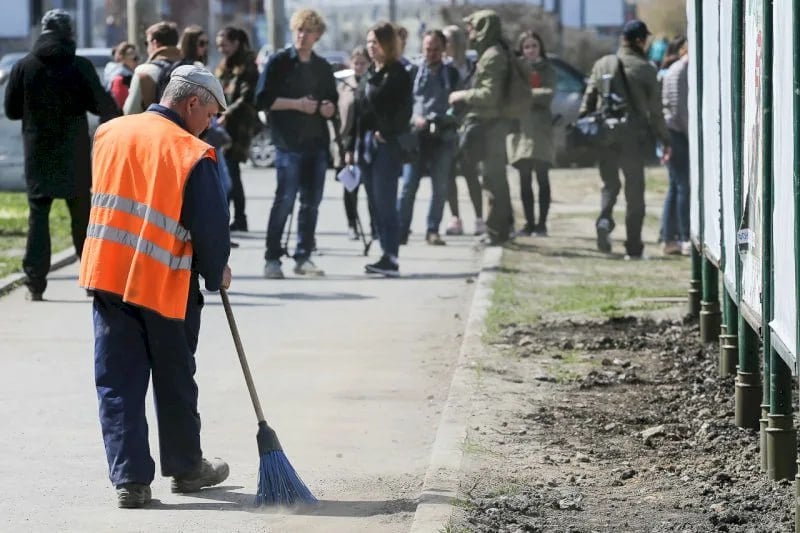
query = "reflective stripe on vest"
x=132 y=207
x=136 y=246
x=139 y=244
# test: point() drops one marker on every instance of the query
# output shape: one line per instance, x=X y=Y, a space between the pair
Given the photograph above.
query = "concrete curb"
x=440 y=487
x=59 y=260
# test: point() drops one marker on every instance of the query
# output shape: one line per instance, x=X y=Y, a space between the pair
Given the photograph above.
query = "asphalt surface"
x=353 y=374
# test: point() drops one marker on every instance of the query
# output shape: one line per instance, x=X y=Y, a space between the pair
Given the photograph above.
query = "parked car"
x=7 y=62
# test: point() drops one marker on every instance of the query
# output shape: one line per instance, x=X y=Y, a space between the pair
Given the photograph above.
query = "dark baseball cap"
x=57 y=21
x=635 y=29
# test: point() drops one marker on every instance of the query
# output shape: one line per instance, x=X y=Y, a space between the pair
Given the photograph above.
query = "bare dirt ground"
x=597 y=408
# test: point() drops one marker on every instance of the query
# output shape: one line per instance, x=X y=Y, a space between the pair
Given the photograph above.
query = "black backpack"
x=167 y=67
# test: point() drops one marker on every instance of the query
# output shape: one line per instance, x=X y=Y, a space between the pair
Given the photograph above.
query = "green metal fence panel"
x=750 y=226
x=783 y=253
x=710 y=109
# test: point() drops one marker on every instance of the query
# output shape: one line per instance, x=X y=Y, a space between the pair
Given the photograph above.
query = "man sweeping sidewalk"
x=159 y=218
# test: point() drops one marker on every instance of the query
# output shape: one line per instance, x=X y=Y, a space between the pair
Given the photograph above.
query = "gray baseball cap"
x=202 y=78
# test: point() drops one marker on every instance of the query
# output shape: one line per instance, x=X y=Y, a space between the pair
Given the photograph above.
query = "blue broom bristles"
x=278 y=483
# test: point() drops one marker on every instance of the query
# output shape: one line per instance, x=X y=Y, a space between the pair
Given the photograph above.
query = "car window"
x=566 y=81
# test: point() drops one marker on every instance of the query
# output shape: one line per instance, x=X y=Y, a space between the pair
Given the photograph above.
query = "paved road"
x=353 y=373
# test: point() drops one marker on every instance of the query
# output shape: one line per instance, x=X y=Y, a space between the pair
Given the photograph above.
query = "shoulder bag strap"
x=631 y=100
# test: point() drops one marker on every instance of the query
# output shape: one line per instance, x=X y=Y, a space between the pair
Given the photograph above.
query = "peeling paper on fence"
x=783 y=161
x=753 y=152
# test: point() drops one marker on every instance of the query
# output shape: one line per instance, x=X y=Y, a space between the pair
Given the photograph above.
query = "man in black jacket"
x=50 y=90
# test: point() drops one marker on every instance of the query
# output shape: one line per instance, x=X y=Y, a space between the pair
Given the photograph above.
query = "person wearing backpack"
x=163 y=55
x=632 y=78
x=435 y=133
x=483 y=133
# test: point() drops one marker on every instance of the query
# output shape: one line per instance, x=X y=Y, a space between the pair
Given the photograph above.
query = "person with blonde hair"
x=298 y=90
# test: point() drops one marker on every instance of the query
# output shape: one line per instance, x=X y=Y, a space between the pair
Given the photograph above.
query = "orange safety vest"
x=135 y=245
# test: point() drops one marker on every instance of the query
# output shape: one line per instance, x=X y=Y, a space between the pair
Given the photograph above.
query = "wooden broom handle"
x=248 y=377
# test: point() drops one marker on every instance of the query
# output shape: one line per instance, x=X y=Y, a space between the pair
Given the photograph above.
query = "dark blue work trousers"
x=130 y=342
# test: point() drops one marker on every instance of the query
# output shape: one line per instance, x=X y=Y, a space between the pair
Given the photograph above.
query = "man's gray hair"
x=179 y=90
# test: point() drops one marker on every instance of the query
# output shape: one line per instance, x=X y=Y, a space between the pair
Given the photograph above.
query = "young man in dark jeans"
x=298 y=89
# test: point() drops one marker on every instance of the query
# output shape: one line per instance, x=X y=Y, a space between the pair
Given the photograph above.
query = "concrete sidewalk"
x=353 y=373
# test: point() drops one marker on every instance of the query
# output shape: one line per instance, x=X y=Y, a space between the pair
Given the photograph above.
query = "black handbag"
x=408 y=141
x=603 y=127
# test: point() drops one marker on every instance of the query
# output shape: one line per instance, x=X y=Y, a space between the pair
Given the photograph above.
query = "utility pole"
x=392 y=10
x=276 y=19
x=141 y=14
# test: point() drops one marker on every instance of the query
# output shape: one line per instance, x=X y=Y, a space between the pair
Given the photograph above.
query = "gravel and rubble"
x=612 y=425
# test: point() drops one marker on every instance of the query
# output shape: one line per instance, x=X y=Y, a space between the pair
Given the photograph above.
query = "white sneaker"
x=272 y=269
x=686 y=248
x=480 y=226
x=304 y=267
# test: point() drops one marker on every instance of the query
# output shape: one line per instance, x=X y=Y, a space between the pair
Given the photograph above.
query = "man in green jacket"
x=633 y=78
x=485 y=127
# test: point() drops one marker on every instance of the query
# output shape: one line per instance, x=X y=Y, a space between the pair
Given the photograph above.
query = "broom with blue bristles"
x=278 y=483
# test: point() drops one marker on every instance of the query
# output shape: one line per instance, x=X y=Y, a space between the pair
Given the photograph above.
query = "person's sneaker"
x=272 y=269
x=686 y=248
x=480 y=226
x=434 y=239
x=209 y=474
x=33 y=296
x=304 y=267
x=525 y=231
x=239 y=225
x=455 y=227
x=133 y=495
x=352 y=234
x=386 y=267
x=671 y=248
x=540 y=230
x=604 y=236
x=636 y=257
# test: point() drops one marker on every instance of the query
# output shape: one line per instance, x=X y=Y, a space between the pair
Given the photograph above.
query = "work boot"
x=33 y=296
x=209 y=473
x=133 y=495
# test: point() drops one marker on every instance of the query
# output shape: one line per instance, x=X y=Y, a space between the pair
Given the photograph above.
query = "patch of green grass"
x=14 y=229
x=506 y=306
x=600 y=298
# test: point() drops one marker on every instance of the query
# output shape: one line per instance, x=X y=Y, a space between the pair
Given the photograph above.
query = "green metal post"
x=796 y=187
x=748 y=386
x=696 y=283
x=728 y=340
x=781 y=435
x=710 y=315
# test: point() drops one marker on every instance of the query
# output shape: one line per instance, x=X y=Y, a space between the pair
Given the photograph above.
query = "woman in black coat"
x=51 y=90
x=238 y=75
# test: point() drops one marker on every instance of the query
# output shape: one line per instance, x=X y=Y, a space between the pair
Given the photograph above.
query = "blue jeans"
x=380 y=176
x=302 y=172
x=436 y=158
x=675 y=219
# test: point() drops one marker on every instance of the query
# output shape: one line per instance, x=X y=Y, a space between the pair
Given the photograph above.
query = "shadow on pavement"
x=304 y=296
x=224 y=499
